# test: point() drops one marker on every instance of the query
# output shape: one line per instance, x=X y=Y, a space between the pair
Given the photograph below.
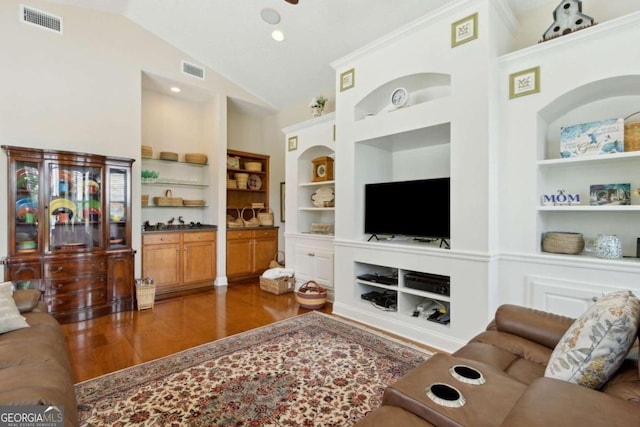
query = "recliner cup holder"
x=467 y=374
x=445 y=395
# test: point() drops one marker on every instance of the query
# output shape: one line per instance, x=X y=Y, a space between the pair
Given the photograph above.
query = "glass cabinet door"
x=118 y=207
x=75 y=207
x=27 y=213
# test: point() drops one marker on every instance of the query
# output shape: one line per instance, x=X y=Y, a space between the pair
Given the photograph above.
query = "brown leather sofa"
x=34 y=362
x=511 y=354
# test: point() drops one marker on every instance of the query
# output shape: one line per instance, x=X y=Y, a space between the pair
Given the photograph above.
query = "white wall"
x=81 y=90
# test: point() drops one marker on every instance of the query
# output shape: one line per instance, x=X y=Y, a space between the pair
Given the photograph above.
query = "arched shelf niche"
x=421 y=87
x=610 y=98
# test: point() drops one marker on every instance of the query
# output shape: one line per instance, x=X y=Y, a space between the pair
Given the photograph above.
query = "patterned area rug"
x=310 y=370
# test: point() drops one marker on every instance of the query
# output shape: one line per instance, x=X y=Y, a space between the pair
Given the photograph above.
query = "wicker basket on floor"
x=311 y=296
x=146 y=296
x=279 y=286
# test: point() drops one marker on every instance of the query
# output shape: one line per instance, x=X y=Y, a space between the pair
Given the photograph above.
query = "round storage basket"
x=253 y=166
x=251 y=222
x=563 y=242
x=311 y=296
x=196 y=158
x=242 y=179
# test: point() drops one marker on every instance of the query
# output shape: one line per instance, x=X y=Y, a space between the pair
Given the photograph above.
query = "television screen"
x=398 y=208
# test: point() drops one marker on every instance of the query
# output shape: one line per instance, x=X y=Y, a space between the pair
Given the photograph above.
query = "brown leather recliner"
x=34 y=362
x=511 y=354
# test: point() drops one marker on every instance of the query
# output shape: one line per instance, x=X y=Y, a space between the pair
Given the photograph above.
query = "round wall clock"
x=399 y=97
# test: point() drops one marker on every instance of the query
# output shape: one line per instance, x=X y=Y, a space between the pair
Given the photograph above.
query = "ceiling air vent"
x=41 y=19
x=193 y=70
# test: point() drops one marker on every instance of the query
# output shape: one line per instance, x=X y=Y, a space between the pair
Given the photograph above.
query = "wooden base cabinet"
x=249 y=251
x=179 y=261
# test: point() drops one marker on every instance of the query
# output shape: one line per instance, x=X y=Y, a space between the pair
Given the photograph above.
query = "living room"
x=85 y=92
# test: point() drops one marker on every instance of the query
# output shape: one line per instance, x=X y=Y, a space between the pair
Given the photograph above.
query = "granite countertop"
x=146 y=229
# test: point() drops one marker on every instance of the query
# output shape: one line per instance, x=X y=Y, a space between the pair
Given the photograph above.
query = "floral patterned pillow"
x=595 y=345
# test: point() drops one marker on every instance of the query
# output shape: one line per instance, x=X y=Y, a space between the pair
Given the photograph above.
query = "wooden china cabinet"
x=69 y=230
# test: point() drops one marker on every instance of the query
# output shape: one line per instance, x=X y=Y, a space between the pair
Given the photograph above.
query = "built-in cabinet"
x=250 y=246
x=250 y=250
x=572 y=92
x=310 y=203
x=502 y=154
x=70 y=226
x=179 y=261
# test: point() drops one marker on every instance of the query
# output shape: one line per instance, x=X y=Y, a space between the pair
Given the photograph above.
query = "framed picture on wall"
x=524 y=82
x=347 y=79
x=464 y=30
x=292 y=143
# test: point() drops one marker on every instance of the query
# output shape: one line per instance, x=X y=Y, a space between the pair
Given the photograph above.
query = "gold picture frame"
x=292 y=143
x=464 y=30
x=347 y=79
x=524 y=82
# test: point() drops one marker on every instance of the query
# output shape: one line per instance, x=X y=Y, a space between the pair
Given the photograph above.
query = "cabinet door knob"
x=59 y=285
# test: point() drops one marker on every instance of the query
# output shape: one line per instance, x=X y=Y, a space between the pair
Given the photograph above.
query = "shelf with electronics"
x=310 y=202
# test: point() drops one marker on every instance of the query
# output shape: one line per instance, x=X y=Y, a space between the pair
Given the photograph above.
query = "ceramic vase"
x=317 y=111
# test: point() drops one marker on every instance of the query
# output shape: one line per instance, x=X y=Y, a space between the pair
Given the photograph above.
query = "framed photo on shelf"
x=292 y=143
x=464 y=30
x=610 y=194
x=524 y=82
x=347 y=79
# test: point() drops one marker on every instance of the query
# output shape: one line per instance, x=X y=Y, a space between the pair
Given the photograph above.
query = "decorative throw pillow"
x=595 y=345
x=10 y=318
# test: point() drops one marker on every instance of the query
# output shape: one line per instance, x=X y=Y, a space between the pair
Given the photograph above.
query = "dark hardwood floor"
x=113 y=342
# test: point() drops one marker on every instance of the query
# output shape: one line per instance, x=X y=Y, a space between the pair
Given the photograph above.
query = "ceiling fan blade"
x=292 y=1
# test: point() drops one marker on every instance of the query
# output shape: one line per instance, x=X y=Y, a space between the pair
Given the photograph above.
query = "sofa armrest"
x=538 y=326
x=552 y=402
x=26 y=299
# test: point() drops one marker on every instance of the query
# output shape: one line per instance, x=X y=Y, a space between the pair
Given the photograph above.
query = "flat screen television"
x=397 y=208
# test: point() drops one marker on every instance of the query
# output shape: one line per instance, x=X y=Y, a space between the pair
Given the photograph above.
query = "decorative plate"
x=255 y=182
x=324 y=197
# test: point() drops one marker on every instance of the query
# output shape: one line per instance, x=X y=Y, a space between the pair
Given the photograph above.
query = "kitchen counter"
x=146 y=229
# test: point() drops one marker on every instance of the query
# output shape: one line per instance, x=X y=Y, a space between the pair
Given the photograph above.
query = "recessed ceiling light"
x=277 y=35
x=175 y=89
x=270 y=16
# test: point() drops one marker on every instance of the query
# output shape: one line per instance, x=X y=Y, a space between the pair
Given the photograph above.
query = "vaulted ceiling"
x=231 y=37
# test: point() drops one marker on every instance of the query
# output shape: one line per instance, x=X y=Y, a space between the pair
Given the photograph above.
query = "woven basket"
x=562 y=242
x=146 y=152
x=167 y=155
x=242 y=180
x=275 y=262
x=197 y=158
x=145 y=200
x=186 y=202
x=168 y=200
x=266 y=218
x=146 y=296
x=235 y=222
x=253 y=166
x=632 y=134
x=279 y=286
x=232 y=183
x=311 y=296
x=251 y=222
